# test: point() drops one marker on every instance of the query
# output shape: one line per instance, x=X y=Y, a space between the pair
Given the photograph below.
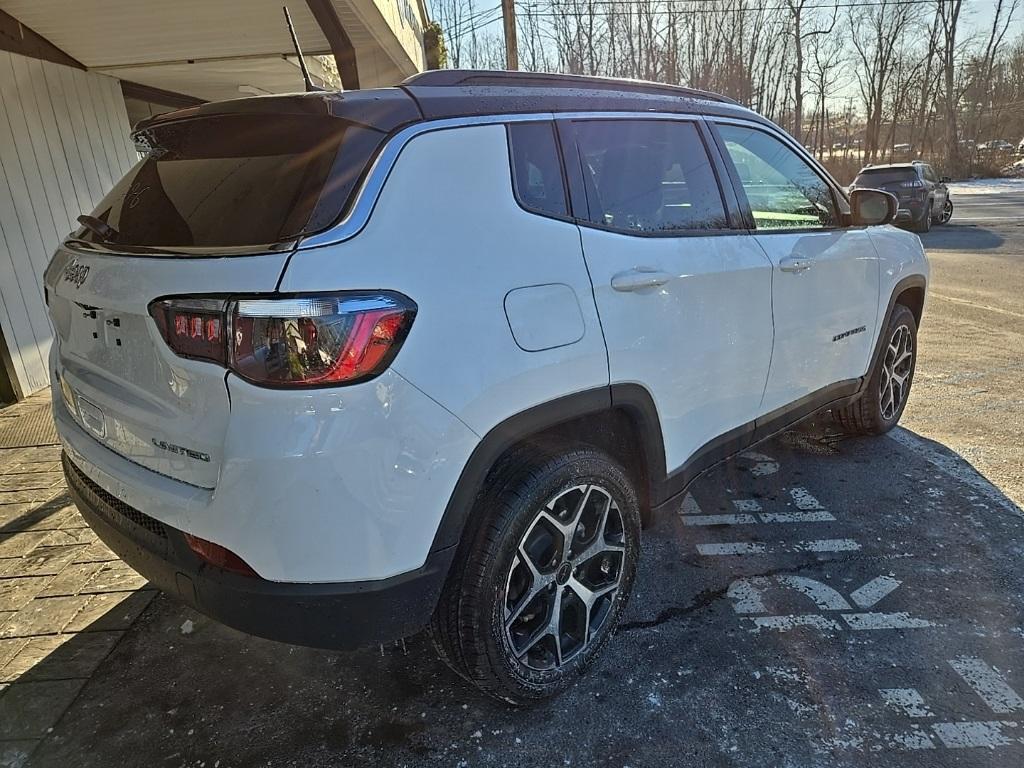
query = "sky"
x=979 y=15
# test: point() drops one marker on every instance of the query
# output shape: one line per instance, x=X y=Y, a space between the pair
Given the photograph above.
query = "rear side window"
x=649 y=176
x=237 y=180
x=784 y=192
x=537 y=168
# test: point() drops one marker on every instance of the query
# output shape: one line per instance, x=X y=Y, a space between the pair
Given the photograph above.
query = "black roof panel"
x=450 y=93
x=498 y=77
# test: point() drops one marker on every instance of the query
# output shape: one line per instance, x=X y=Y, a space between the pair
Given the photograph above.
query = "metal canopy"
x=222 y=49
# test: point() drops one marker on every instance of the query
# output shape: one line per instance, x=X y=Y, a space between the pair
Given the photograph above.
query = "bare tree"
x=806 y=26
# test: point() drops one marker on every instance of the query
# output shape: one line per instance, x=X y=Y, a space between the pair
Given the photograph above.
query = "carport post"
x=341 y=46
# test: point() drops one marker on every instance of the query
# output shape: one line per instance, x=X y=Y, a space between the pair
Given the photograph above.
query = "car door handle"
x=639 y=278
x=795 y=264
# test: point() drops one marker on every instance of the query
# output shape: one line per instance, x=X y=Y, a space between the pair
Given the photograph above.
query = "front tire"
x=924 y=224
x=544 y=577
x=880 y=406
x=947 y=213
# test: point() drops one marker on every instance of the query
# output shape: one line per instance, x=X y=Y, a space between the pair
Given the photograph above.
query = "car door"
x=684 y=299
x=825 y=282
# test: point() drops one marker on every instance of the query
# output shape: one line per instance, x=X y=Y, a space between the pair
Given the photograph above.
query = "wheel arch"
x=621 y=419
x=910 y=292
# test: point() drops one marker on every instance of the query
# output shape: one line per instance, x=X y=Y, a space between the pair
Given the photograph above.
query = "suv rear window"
x=885 y=175
x=237 y=180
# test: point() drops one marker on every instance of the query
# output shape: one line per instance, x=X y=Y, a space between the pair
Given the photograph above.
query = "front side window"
x=537 y=168
x=784 y=192
x=648 y=176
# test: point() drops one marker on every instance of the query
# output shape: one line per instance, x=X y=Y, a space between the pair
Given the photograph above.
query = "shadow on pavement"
x=961 y=237
x=690 y=679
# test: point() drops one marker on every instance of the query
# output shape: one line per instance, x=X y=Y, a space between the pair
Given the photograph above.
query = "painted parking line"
x=749 y=597
x=762 y=465
x=762 y=548
x=990 y=686
x=749 y=512
x=906 y=700
x=986 y=681
x=981 y=735
x=872 y=592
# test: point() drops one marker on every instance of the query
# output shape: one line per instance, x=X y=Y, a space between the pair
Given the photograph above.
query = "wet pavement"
x=823 y=602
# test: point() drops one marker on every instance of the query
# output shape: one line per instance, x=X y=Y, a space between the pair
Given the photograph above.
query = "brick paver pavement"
x=65 y=599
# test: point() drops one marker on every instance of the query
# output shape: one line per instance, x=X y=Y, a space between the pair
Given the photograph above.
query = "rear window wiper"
x=98 y=227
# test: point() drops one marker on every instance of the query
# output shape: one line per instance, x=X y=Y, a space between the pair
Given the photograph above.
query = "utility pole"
x=508 y=15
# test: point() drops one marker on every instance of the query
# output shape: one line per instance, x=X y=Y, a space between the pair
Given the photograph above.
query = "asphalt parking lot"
x=819 y=601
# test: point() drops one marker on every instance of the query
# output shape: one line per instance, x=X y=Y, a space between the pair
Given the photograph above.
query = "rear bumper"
x=338 y=616
x=910 y=211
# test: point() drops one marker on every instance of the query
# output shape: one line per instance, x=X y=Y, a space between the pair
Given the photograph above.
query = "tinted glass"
x=237 y=180
x=783 y=191
x=873 y=177
x=537 y=168
x=649 y=176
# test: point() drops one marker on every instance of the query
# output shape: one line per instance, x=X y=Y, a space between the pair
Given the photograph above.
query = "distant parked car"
x=996 y=145
x=902 y=149
x=923 y=195
x=1020 y=147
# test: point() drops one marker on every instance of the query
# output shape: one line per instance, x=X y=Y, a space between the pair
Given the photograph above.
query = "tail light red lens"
x=193 y=327
x=291 y=342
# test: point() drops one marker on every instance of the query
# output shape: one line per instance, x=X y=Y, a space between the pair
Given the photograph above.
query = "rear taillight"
x=193 y=328
x=302 y=341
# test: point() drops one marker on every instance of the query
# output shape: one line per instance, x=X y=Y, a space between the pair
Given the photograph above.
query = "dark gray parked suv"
x=922 y=194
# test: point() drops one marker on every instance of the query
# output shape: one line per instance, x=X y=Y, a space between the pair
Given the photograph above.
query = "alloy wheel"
x=896 y=367
x=947 y=211
x=564 y=577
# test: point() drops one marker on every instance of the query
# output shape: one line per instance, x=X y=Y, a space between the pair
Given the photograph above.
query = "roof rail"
x=515 y=79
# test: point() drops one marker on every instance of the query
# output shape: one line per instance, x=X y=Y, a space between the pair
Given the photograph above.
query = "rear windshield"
x=237 y=180
x=886 y=176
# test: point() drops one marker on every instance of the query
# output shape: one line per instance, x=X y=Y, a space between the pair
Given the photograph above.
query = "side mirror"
x=945 y=179
x=869 y=207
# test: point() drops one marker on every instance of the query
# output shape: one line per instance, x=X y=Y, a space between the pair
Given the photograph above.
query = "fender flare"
x=911 y=281
x=633 y=399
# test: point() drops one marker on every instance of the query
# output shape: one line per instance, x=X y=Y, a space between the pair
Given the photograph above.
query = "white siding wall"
x=63 y=144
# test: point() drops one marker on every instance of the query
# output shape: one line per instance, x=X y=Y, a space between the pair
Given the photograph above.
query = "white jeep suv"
x=336 y=367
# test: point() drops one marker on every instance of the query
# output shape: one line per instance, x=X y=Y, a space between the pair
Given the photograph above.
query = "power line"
x=480 y=24
x=531 y=7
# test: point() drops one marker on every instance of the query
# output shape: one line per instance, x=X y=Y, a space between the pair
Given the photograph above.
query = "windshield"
x=236 y=180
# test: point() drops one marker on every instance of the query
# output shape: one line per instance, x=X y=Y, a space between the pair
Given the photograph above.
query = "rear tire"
x=880 y=406
x=540 y=584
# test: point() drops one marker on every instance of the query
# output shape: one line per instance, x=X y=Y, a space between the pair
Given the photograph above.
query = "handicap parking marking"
x=751 y=512
x=748 y=596
x=989 y=684
x=762 y=465
x=873 y=592
x=762 y=548
x=907 y=700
